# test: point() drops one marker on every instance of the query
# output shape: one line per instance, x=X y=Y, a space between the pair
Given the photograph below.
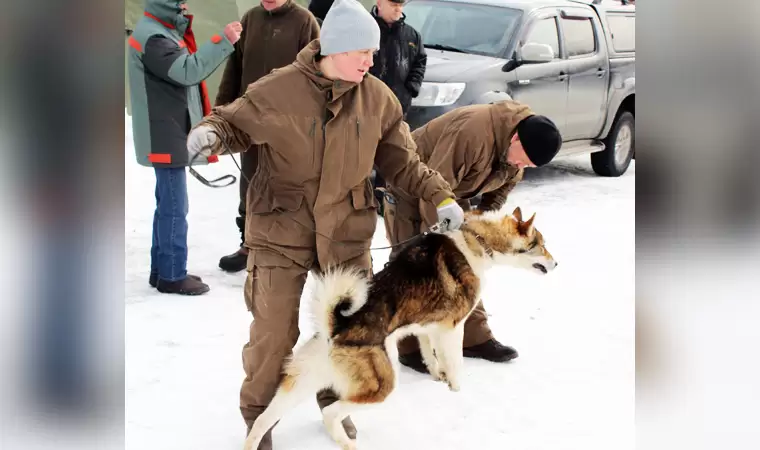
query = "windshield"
x=470 y=28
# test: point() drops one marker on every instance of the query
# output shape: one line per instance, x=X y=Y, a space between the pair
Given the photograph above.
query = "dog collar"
x=481 y=241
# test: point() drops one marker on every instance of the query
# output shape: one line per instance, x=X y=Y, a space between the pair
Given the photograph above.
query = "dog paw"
x=453 y=386
x=252 y=441
x=351 y=445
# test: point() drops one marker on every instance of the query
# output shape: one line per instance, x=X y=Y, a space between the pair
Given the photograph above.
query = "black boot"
x=153 y=279
x=234 y=262
x=491 y=350
x=414 y=361
x=186 y=286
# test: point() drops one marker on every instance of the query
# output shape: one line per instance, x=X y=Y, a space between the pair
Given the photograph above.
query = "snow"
x=571 y=388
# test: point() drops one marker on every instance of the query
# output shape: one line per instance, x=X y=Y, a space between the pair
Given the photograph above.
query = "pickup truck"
x=570 y=60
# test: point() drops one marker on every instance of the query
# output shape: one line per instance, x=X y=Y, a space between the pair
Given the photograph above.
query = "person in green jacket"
x=168 y=95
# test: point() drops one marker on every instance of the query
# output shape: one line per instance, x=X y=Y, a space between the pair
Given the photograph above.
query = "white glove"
x=450 y=215
x=201 y=140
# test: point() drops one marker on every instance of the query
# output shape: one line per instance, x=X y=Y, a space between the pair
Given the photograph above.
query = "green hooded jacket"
x=166 y=81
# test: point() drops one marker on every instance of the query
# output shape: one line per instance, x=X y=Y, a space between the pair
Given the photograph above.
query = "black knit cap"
x=540 y=138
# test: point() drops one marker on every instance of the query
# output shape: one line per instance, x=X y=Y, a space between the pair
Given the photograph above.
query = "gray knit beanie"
x=348 y=26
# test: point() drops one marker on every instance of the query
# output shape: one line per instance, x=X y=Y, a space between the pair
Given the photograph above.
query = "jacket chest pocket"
x=362 y=138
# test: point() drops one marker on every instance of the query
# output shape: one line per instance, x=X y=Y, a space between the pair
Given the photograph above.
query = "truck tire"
x=620 y=146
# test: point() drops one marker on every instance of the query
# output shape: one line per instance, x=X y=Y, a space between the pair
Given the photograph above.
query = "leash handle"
x=215 y=183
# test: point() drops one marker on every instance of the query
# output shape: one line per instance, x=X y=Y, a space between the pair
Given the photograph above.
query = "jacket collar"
x=385 y=26
x=505 y=119
x=284 y=8
x=166 y=12
x=306 y=62
x=173 y=25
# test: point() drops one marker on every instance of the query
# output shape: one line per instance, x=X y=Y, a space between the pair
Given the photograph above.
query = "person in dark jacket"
x=168 y=96
x=400 y=63
x=319 y=8
x=277 y=31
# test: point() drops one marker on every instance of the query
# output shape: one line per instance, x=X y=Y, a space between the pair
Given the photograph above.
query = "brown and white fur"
x=428 y=290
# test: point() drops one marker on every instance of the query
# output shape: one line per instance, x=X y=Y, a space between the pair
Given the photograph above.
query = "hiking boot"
x=186 y=286
x=153 y=279
x=234 y=262
x=326 y=398
x=414 y=361
x=491 y=350
x=266 y=441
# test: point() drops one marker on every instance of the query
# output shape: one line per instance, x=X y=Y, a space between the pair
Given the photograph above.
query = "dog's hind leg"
x=448 y=346
x=290 y=393
x=333 y=416
x=304 y=376
x=366 y=377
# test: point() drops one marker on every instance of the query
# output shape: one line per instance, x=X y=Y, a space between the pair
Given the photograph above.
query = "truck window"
x=544 y=31
x=579 y=37
x=472 y=28
x=623 y=30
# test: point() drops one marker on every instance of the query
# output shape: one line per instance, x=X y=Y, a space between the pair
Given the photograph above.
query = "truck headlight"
x=438 y=94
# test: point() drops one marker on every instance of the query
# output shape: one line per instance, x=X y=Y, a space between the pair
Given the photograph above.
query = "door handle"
x=600 y=72
x=562 y=76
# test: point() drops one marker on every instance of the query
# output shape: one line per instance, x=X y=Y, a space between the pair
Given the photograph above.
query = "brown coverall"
x=313 y=205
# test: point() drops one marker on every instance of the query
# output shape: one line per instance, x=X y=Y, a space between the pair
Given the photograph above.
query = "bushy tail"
x=338 y=293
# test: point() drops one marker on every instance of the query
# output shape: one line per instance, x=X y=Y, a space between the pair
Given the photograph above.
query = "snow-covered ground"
x=571 y=388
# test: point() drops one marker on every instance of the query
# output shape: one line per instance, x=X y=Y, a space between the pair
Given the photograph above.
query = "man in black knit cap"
x=479 y=150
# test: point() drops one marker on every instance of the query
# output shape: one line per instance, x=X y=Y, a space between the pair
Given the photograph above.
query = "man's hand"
x=201 y=139
x=232 y=31
x=450 y=215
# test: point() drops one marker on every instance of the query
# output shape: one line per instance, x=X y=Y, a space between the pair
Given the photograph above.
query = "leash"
x=215 y=182
x=436 y=228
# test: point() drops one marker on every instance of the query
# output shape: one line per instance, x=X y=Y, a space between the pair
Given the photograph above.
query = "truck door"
x=588 y=65
x=543 y=87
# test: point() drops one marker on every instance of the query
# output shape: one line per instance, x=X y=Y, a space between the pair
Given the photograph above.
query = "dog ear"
x=526 y=228
x=517 y=213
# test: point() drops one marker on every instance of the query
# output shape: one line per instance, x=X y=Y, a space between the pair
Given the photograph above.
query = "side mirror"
x=532 y=53
x=511 y=65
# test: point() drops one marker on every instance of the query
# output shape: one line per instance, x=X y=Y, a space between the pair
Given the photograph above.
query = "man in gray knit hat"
x=325 y=123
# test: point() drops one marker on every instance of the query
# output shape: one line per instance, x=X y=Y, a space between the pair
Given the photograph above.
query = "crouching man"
x=479 y=150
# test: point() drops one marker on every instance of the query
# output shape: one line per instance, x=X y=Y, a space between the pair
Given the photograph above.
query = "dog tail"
x=338 y=294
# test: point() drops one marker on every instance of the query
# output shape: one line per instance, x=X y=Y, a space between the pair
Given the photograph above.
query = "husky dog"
x=428 y=290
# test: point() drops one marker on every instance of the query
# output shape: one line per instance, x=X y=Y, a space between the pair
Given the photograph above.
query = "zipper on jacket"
x=357 y=128
x=313 y=127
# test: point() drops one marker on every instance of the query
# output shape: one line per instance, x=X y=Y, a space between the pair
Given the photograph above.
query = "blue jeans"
x=168 y=254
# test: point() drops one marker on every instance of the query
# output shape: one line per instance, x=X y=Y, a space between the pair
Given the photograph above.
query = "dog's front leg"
x=448 y=346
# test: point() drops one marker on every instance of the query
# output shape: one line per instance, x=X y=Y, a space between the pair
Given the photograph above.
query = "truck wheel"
x=615 y=159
